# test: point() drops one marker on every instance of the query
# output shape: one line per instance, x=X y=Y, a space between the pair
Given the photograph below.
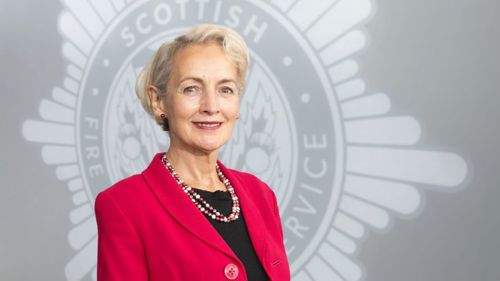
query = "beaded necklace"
x=200 y=203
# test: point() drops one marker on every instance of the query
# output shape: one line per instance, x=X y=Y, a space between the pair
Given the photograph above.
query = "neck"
x=196 y=170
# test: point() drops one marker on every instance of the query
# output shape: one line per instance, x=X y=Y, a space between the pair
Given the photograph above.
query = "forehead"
x=204 y=61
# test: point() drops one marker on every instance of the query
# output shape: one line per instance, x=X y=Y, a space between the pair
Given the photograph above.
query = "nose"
x=209 y=103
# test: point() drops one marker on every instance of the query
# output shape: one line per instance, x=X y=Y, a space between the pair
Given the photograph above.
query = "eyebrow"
x=199 y=80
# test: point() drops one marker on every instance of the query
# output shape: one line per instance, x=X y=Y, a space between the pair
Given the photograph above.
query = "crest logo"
x=338 y=161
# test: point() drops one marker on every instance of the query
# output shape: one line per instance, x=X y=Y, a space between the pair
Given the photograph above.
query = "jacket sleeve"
x=120 y=253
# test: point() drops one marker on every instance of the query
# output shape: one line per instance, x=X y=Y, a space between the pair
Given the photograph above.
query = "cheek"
x=181 y=109
x=232 y=108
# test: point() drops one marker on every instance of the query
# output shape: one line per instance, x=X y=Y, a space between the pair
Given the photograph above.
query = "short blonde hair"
x=157 y=72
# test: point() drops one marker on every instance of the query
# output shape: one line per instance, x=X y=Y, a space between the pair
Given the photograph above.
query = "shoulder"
x=251 y=181
x=126 y=185
x=123 y=192
x=247 y=178
x=243 y=175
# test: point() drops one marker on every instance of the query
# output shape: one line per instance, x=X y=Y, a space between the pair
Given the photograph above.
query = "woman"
x=186 y=216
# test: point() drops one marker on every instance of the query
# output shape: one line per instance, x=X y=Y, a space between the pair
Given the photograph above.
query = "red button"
x=231 y=271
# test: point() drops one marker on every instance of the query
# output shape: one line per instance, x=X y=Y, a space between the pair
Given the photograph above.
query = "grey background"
x=438 y=61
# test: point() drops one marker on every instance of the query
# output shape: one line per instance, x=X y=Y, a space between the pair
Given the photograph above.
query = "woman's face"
x=202 y=103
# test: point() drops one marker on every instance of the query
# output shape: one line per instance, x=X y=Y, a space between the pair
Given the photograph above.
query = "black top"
x=235 y=233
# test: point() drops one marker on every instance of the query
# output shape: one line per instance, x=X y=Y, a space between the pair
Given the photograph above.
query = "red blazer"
x=148 y=229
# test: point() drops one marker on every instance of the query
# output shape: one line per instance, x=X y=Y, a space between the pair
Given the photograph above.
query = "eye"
x=226 y=90
x=190 y=90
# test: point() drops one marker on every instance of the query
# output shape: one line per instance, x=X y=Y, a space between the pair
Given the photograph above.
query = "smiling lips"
x=212 y=125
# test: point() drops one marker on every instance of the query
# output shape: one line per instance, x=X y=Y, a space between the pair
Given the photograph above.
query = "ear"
x=157 y=105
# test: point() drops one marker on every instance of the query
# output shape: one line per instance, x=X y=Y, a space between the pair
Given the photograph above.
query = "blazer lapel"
x=178 y=204
x=254 y=219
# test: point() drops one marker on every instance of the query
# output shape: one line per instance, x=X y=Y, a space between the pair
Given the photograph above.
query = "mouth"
x=209 y=125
